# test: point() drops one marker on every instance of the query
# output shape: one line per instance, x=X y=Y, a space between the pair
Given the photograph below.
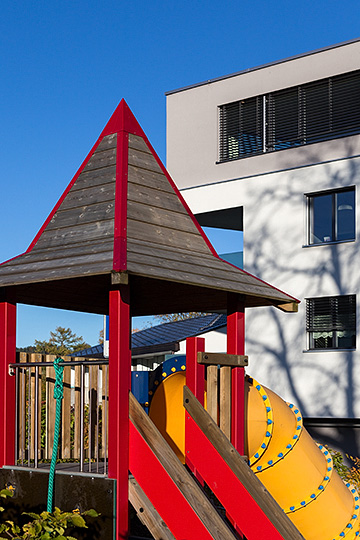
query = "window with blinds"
x=305 y=114
x=331 y=322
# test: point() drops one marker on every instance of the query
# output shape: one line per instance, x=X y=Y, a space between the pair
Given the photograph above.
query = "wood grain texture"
x=147 y=513
x=89 y=179
x=178 y=473
x=138 y=143
x=225 y=401
x=222 y=359
x=99 y=160
x=212 y=392
x=149 y=179
x=143 y=160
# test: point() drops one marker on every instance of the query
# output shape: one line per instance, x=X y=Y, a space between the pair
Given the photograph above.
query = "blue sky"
x=66 y=65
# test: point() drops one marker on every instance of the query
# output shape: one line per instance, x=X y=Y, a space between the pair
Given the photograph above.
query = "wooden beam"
x=119 y=278
x=291 y=307
x=222 y=359
x=147 y=513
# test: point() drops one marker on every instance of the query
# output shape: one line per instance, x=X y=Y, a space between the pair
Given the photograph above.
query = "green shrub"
x=44 y=526
x=350 y=474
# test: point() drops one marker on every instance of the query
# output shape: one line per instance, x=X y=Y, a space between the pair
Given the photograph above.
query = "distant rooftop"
x=164 y=337
x=262 y=66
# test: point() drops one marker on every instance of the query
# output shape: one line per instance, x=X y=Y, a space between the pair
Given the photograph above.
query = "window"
x=304 y=114
x=242 y=128
x=331 y=322
x=331 y=216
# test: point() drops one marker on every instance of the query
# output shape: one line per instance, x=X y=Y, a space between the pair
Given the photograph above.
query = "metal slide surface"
x=297 y=472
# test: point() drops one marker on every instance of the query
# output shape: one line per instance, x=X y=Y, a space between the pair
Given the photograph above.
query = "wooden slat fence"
x=84 y=435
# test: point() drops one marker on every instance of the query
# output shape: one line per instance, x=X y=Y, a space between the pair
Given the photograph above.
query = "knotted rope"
x=58 y=395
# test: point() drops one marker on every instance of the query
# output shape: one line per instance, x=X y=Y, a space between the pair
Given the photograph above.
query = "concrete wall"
x=271 y=189
x=192 y=119
x=321 y=383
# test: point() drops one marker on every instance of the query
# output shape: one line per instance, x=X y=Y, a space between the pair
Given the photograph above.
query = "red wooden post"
x=119 y=388
x=195 y=381
x=236 y=345
x=195 y=373
x=7 y=383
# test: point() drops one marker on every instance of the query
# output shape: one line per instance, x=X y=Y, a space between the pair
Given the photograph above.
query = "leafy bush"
x=44 y=526
x=350 y=474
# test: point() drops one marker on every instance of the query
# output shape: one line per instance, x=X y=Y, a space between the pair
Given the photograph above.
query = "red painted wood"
x=236 y=345
x=195 y=380
x=195 y=373
x=120 y=220
x=7 y=383
x=164 y=494
x=119 y=388
x=239 y=504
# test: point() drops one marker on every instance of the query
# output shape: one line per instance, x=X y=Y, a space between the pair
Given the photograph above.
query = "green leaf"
x=77 y=520
x=45 y=536
x=32 y=515
x=91 y=513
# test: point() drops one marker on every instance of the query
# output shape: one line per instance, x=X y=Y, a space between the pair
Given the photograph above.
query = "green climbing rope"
x=58 y=395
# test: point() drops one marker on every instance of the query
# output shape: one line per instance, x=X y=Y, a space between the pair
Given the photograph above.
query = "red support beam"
x=119 y=388
x=163 y=492
x=195 y=373
x=195 y=381
x=241 y=508
x=236 y=345
x=7 y=383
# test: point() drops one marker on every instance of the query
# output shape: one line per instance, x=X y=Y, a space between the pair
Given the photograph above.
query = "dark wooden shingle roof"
x=122 y=219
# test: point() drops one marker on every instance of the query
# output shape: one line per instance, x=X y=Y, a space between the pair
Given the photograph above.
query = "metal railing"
x=84 y=423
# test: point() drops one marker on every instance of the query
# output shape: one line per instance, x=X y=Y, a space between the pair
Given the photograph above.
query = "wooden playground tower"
x=122 y=241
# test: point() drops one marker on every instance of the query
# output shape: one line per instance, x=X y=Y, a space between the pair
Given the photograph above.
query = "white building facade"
x=279 y=146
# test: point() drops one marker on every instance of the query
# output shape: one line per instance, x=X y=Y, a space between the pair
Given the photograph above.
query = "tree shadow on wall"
x=274 y=252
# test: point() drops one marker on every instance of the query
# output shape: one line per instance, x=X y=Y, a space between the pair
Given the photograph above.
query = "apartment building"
x=274 y=152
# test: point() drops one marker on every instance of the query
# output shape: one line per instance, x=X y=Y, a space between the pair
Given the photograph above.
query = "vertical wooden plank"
x=31 y=397
x=93 y=397
x=7 y=383
x=105 y=413
x=35 y=408
x=195 y=373
x=23 y=358
x=212 y=392
x=119 y=389
x=65 y=414
x=76 y=413
x=50 y=407
x=225 y=400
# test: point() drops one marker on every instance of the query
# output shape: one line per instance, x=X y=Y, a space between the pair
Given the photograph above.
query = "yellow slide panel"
x=296 y=471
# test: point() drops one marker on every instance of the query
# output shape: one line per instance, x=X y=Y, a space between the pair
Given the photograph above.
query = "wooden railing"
x=84 y=435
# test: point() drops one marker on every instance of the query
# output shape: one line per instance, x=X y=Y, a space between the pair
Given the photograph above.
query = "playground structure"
x=121 y=241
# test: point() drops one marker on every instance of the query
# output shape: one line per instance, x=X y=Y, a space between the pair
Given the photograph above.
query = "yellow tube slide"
x=296 y=471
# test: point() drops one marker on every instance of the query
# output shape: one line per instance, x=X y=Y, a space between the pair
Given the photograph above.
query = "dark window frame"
x=300 y=115
x=331 y=322
x=334 y=236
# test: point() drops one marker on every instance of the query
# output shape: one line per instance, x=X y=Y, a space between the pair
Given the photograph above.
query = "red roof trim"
x=120 y=214
x=261 y=280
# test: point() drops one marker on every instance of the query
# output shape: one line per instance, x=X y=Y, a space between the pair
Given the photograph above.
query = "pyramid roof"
x=122 y=220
